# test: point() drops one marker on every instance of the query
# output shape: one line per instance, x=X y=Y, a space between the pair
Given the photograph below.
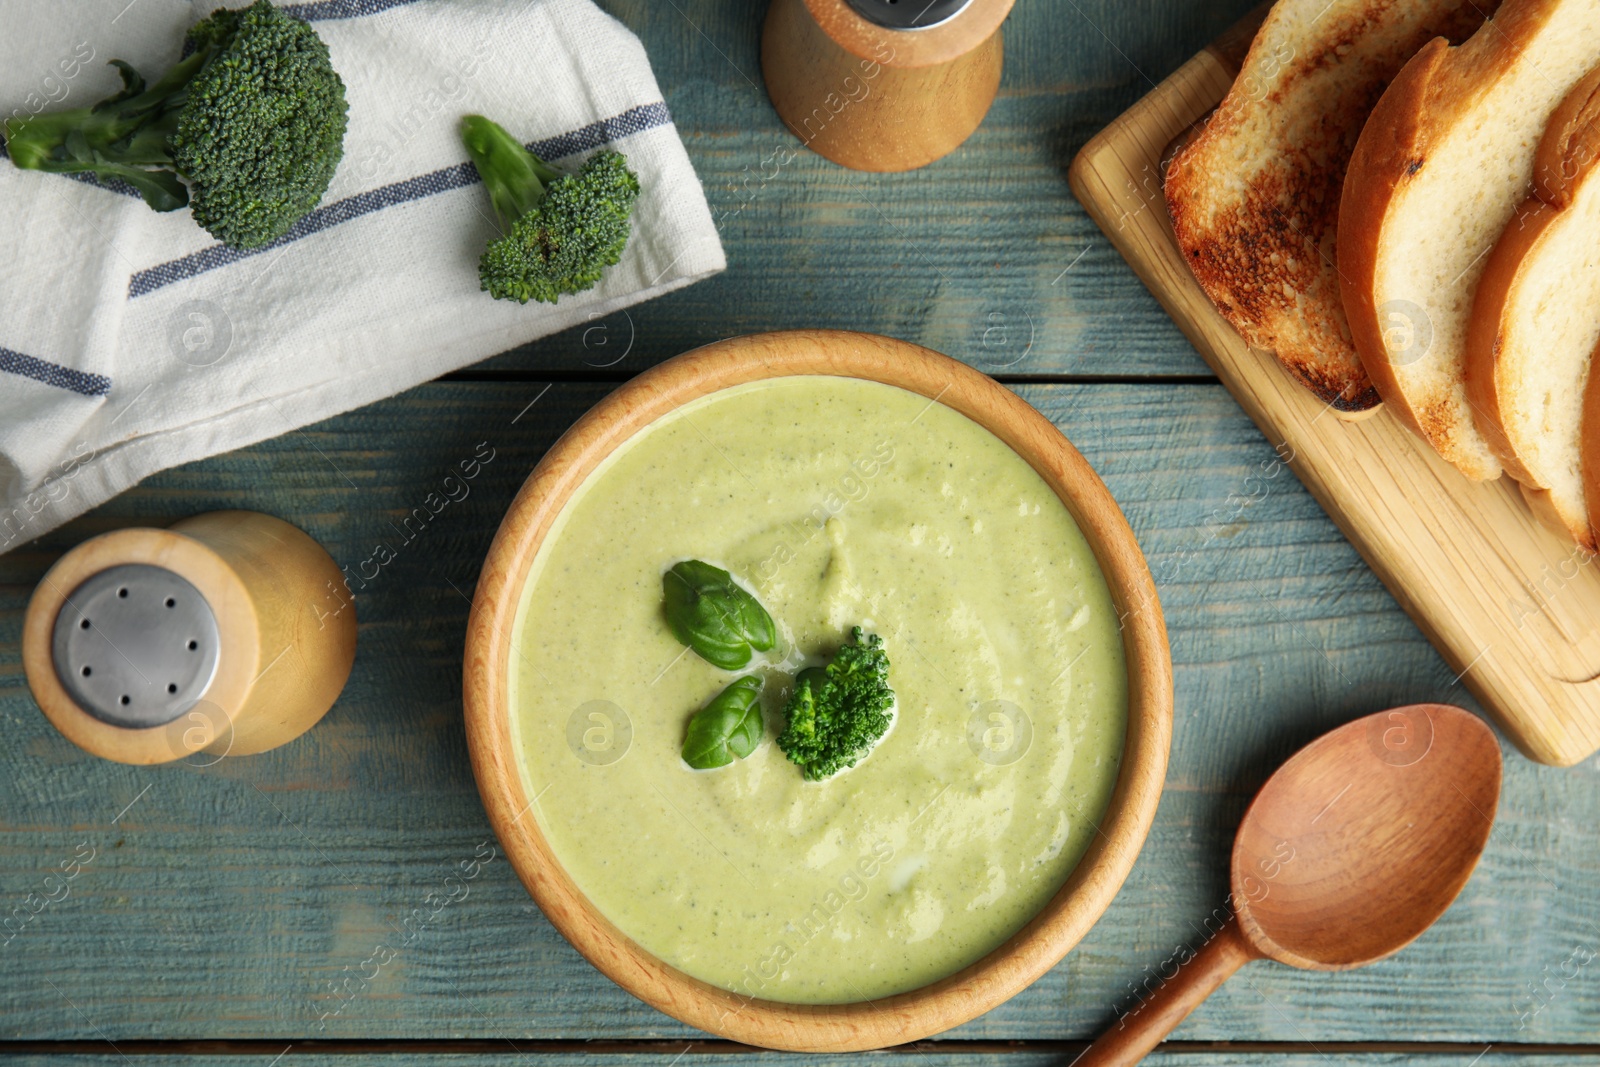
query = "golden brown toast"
x=1254 y=195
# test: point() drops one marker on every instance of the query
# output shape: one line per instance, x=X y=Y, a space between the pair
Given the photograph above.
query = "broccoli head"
x=559 y=231
x=838 y=712
x=247 y=129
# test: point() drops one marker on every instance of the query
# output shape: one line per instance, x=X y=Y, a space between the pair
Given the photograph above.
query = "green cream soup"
x=839 y=503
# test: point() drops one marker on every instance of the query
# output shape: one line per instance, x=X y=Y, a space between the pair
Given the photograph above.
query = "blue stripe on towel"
x=319 y=10
x=110 y=185
x=634 y=120
x=54 y=374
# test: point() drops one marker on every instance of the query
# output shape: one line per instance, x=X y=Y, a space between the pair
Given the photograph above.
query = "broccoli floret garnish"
x=838 y=712
x=247 y=129
x=560 y=230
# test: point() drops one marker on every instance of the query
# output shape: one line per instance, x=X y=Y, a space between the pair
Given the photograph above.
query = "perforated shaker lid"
x=135 y=645
x=909 y=14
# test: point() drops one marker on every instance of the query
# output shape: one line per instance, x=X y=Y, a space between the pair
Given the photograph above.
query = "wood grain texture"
x=219 y=584
x=1131 y=1040
x=983 y=255
x=1513 y=607
x=875 y=99
x=1350 y=851
x=288 y=635
x=306 y=628
x=237 y=900
x=989 y=1057
x=496 y=759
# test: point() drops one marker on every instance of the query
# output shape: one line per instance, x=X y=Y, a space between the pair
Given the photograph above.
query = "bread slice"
x=1438 y=172
x=1254 y=194
x=1589 y=448
x=1536 y=318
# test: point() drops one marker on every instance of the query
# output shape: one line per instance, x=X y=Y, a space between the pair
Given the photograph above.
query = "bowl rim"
x=1121 y=832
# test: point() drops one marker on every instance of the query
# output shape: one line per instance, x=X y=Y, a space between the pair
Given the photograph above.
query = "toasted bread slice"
x=1254 y=195
x=1438 y=172
x=1536 y=318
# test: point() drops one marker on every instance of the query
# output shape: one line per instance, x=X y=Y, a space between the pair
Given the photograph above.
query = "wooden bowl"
x=1092 y=884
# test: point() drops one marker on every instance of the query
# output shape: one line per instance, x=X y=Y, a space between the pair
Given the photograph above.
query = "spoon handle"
x=1132 y=1037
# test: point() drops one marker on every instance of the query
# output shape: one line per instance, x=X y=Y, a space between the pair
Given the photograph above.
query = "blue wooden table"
x=228 y=913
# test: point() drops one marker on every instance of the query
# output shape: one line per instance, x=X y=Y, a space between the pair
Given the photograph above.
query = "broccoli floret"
x=560 y=231
x=247 y=129
x=838 y=712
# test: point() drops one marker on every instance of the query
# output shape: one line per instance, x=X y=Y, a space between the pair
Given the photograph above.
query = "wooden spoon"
x=1349 y=852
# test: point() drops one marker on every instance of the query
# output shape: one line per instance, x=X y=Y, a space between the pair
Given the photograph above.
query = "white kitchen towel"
x=132 y=341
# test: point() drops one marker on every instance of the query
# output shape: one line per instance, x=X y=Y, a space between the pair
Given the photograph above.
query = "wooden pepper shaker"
x=230 y=633
x=883 y=85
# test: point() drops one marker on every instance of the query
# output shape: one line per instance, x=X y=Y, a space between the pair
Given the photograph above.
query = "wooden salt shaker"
x=230 y=633
x=883 y=85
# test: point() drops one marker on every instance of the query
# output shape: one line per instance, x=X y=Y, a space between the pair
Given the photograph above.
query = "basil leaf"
x=712 y=614
x=728 y=728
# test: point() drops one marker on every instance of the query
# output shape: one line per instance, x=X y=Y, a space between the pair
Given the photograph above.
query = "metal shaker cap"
x=909 y=14
x=135 y=645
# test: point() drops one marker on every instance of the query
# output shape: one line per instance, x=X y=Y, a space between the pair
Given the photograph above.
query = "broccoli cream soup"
x=838 y=503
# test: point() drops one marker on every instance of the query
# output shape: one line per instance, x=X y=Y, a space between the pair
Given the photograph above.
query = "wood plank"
x=1020 y=1057
x=977 y=255
x=226 y=899
x=1513 y=607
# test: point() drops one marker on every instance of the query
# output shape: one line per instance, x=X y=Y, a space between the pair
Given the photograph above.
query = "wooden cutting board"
x=1511 y=605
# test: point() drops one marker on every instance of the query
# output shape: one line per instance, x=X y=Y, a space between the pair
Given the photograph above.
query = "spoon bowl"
x=1348 y=853
x=1365 y=836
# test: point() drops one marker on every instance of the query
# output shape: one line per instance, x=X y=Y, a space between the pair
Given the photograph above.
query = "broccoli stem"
x=514 y=176
x=115 y=138
x=246 y=130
